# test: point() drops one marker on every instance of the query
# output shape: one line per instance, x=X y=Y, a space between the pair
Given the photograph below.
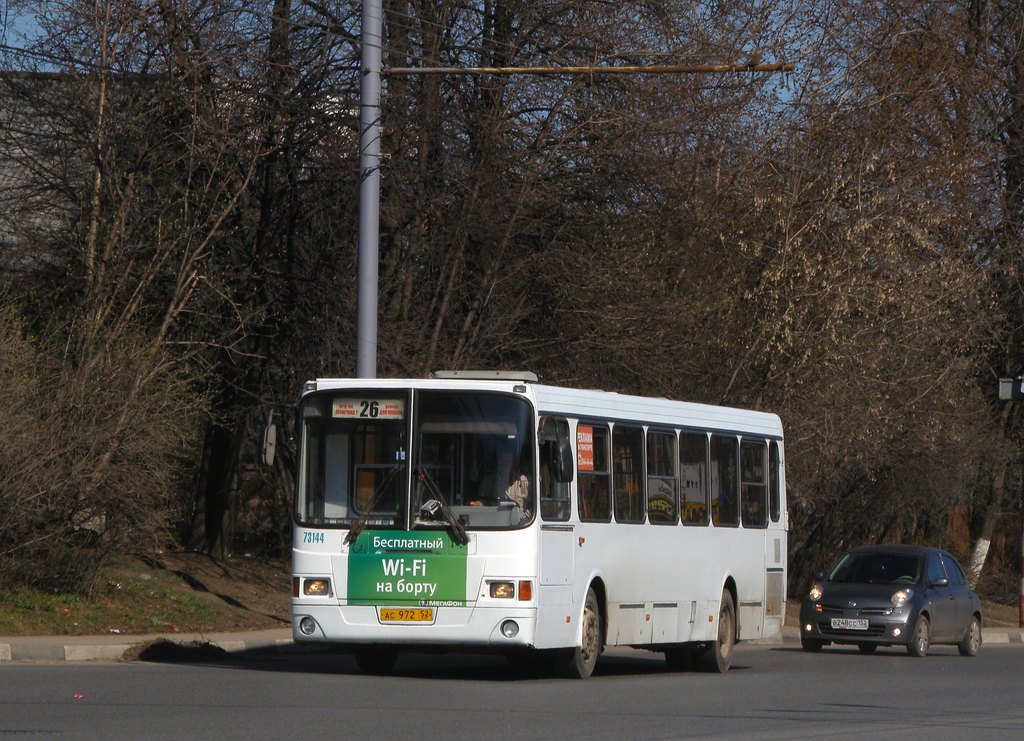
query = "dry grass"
x=176 y=592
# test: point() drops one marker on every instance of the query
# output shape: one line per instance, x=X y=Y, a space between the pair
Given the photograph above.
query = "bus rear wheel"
x=579 y=662
x=716 y=657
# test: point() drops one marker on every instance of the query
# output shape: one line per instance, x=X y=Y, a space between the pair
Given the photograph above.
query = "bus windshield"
x=354 y=459
x=473 y=452
x=467 y=460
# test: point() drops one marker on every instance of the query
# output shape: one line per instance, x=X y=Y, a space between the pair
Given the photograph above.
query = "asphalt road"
x=772 y=692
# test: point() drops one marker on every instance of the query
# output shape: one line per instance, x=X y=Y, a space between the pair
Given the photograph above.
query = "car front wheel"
x=810 y=644
x=921 y=638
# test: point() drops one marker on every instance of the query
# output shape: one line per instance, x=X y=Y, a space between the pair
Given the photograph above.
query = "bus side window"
x=594 y=503
x=774 y=482
x=661 y=478
x=724 y=484
x=753 y=483
x=628 y=468
x=554 y=490
x=693 y=477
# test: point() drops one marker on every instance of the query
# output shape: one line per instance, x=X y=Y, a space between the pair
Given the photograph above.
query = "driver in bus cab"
x=500 y=483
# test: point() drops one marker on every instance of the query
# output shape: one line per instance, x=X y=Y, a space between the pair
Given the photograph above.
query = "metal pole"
x=369 y=190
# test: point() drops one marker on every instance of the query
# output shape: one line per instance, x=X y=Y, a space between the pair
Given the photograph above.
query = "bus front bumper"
x=481 y=627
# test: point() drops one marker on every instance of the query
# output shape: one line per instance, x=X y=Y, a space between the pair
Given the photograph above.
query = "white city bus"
x=485 y=511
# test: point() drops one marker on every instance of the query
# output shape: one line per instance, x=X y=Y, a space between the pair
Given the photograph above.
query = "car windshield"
x=877 y=568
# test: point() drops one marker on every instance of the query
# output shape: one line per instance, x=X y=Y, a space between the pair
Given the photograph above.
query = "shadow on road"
x=439 y=666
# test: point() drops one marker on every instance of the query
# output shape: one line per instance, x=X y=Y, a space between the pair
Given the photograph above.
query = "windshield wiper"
x=359 y=525
x=432 y=507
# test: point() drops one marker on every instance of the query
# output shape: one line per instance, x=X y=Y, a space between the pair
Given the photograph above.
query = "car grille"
x=874 y=629
x=853 y=612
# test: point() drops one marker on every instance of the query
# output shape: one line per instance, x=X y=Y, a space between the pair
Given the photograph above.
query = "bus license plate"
x=407 y=614
x=849 y=624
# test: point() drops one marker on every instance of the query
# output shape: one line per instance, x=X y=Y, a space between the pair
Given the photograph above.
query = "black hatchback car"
x=883 y=595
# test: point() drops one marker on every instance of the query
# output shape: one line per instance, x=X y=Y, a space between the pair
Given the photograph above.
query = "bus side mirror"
x=563 y=461
x=268 y=445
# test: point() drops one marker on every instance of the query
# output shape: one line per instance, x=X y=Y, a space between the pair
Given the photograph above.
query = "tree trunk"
x=211 y=532
x=979 y=553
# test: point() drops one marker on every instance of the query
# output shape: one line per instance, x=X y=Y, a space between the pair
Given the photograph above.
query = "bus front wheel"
x=579 y=662
x=716 y=657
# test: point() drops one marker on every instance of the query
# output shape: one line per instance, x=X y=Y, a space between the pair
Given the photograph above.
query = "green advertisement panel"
x=425 y=569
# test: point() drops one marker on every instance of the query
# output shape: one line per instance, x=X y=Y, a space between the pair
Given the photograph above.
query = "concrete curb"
x=115 y=647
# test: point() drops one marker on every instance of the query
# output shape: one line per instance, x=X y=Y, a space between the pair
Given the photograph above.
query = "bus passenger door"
x=775 y=545
x=556 y=626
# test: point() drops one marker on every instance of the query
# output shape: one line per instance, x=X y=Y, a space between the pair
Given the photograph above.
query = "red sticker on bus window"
x=585 y=448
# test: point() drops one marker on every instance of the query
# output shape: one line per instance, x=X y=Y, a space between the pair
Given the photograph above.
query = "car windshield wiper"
x=432 y=507
x=359 y=525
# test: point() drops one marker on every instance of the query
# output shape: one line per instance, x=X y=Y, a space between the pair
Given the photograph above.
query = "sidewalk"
x=114 y=647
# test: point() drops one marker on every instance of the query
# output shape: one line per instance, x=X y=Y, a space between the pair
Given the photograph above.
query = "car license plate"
x=849 y=624
x=407 y=614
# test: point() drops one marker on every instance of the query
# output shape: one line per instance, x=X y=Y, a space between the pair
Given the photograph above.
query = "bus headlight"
x=503 y=590
x=510 y=628
x=307 y=626
x=316 y=587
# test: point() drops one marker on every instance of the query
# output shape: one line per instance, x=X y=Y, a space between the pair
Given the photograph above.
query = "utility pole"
x=369 y=189
x=370 y=153
x=1012 y=389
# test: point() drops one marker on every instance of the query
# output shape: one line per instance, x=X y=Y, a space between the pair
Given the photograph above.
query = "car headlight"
x=816 y=591
x=902 y=597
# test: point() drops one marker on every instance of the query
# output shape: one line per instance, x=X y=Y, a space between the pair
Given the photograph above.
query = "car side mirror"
x=943 y=582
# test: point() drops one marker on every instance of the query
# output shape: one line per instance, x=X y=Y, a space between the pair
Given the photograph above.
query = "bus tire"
x=376 y=660
x=716 y=657
x=579 y=662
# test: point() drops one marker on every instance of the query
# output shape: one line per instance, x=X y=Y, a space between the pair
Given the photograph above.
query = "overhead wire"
x=413 y=25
